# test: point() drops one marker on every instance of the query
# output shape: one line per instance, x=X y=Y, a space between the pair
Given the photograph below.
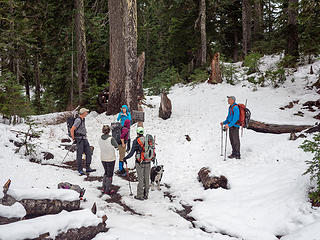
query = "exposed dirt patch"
x=132 y=175
x=93 y=178
x=116 y=198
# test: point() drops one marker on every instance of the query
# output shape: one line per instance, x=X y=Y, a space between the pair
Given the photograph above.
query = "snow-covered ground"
x=268 y=195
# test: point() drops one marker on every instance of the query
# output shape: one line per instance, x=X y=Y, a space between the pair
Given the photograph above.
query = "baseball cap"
x=83 y=110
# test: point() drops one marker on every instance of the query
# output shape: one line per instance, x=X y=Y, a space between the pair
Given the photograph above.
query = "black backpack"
x=70 y=122
x=116 y=131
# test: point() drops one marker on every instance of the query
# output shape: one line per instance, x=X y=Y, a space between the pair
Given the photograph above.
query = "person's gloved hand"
x=125 y=160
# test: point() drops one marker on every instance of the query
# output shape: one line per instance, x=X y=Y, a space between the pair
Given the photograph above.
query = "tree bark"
x=203 y=32
x=276 y=128
x=117 y=72
x=293 y=39
x=235 y=49
x=215 y=76
x=140 y=74
x=165 y=109
x=81 y=49
x=130 y=44
x=37 y=82
x=257 y=24
x=246 y=26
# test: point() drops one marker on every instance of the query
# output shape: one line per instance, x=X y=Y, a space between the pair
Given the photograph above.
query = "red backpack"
x=244 y=116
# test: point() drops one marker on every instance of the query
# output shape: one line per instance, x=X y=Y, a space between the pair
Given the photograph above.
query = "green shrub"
x=252 y=79
x=288 y=61
x=276 y=77
x=228 y=72
x=199 y=75
x=163 y=82
x=314 y=164
x=13 y=102
x=252 y=61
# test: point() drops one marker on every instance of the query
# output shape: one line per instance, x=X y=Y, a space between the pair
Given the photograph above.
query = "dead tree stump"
x=165 y=109
x=215 y=76
x=210 y=182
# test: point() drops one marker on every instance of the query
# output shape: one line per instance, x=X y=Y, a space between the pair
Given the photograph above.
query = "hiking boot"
x=231 y=156
x=138 y=198
x=145 y=197
x=238 y=157
x=81 y=173
x=89 y=169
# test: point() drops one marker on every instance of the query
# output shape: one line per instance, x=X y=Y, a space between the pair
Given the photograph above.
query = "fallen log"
x=208 y=181
x=39 y=202
x=80 y=225
x=55 y=119
x=9 y=214
x=276 y=128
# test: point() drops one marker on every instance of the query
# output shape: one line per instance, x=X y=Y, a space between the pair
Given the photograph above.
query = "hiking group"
x=143 y=146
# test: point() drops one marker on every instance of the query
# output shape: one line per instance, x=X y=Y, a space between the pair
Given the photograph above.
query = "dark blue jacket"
x=233 y=116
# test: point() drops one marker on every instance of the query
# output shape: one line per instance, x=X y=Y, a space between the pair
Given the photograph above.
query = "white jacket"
x=107 y=150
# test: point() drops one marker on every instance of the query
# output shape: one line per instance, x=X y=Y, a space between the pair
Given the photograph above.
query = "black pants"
x=235 y=141
x=83 y=146
x=107 y=177
x=108 y=168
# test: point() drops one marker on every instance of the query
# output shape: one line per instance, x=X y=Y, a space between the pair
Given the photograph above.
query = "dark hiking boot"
x=231 y=156
x=81 y=173
x=238 y=157
x=138 y=198
x=145 y=197
x=89 y=170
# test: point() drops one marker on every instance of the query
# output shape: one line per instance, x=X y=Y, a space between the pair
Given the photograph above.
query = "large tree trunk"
x=81 y=49
x=257 y=25
x=117 y=72
x=276 y=128
x=140 y=74
x=292 y=40
x=130 y=44
x=246 y=26
x=203 y=32
x=215 y=76
x=37 y=82
x=235 y=49
x=70 y=105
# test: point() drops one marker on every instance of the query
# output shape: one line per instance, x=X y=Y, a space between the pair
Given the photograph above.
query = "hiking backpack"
x=70 y=122
x=147 y=146
x=244 y=115
x=116 y=128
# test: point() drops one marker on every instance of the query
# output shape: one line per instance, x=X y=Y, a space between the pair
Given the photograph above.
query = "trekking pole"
x=128 y=180
x=225 y=149
x=67 y=153
x=221 y=140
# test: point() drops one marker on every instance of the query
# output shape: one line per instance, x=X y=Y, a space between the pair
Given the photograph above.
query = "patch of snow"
x=14 y=211
x=51 y=194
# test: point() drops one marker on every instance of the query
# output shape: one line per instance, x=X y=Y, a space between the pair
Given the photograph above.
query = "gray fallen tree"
x=39 y=207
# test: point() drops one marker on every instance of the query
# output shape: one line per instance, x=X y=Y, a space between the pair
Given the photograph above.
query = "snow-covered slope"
x=268 y=194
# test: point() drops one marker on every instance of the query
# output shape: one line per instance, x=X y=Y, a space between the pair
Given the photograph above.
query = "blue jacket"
x=233 y=116
x=123 y=118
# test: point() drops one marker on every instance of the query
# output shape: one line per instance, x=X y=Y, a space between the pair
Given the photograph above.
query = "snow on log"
x=276 y=128
x=13 y=213
x=209 y=181
x=165 y=109
x=82 y=224
x=38 y=202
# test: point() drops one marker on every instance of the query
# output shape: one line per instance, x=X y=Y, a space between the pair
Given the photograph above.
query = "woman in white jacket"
x=108 y=158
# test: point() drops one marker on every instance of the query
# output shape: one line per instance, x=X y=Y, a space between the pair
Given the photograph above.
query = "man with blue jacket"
x=232 y=123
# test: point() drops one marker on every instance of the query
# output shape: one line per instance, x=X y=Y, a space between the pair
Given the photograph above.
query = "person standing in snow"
x=108 y=158
x=143 y=168
x=79 y=136
x=122 y=117
x=124 y=137
x=232 y=123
